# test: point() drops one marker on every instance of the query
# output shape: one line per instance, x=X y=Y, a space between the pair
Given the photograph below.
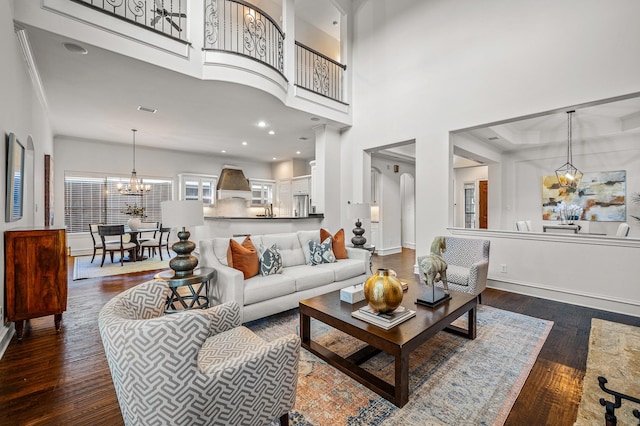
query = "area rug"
x=453 y=380
x=83 y=268
x=614 y=353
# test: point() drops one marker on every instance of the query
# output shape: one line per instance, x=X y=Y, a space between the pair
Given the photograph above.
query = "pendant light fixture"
x=568 y=175
x=135 y=185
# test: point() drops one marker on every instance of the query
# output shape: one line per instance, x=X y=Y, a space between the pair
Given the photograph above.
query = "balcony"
x=233 y=31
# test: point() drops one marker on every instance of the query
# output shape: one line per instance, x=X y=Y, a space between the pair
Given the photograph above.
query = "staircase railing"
x=239 y=27
x=319 y=73
x=166 y=17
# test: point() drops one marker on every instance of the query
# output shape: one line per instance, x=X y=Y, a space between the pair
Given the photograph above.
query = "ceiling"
x=600 y=121
x=95 y=97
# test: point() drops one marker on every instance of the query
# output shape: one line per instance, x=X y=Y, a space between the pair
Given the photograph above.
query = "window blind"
x=95 y=199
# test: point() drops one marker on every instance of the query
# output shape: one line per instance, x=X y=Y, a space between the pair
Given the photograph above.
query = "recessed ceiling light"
x=493 y=138
x=271 y=132
x=223 y=151
x=335 y=22
x=262 y=124
x=298 y=152
x=147 y=109
x=274 y=158
x=75 y=48
x=244 y=143
x=315 y=119
x=304 y=138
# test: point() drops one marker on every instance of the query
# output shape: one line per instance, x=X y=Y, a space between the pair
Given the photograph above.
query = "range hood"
x=233 y=184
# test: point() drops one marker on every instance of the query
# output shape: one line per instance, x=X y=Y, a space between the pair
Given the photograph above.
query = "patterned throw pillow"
x=321 y=253
x=270 y=261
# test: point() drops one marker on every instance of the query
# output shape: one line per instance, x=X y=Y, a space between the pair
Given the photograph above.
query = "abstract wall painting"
x=601 y=195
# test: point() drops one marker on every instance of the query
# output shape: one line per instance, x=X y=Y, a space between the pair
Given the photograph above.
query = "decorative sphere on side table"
x=383 y=291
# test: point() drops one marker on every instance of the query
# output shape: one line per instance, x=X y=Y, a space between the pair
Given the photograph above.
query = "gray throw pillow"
x=321 y=253
x=270 y=261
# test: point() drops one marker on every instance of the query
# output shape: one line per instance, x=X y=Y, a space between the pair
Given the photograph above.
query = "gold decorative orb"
x=383 y=291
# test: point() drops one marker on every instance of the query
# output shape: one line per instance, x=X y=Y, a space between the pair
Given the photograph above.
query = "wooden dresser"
x=35 y=274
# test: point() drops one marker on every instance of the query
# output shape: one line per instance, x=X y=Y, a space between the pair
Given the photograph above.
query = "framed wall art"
x=600 y=195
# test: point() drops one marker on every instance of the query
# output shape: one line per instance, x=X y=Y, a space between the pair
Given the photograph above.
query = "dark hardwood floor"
x=63 y=379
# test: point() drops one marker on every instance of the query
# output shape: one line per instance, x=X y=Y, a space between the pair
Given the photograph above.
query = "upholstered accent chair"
x=467 y=265
x=197 y=367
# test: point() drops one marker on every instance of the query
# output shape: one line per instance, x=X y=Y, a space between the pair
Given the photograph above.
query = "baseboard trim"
x=587 y=300
x=6 y=339
x=387 y=251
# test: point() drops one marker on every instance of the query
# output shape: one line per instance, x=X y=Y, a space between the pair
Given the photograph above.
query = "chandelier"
x=568 y=175
x=135 y=185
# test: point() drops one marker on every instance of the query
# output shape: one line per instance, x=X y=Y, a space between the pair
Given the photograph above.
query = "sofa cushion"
x=289 y=247
x=258 y=288
x=344 y=269
x=309 y=276
x=337 y=242
x=304 y=237
x=270 y=260
x=222 y=249
x=321 y=253
x=458 y=274
x=245 y=257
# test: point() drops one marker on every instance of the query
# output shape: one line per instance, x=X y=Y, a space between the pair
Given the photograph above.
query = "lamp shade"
x=359 y=211
x=181 y=213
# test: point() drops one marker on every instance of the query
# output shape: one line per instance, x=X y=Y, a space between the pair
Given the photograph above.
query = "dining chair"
x=151 y=232
x=97 y=241
x=623 y=230
x=121 y=244
x=159 y=243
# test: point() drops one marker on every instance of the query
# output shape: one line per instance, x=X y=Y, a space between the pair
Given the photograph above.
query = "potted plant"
x=136 y=214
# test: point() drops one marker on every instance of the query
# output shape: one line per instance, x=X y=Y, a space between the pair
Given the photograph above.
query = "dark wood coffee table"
x=399 y=341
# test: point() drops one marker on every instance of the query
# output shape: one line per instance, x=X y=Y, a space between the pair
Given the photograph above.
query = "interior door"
x=483 y=189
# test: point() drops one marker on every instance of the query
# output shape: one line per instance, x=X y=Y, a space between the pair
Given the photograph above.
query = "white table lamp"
x=359 y=211
x=180 y=214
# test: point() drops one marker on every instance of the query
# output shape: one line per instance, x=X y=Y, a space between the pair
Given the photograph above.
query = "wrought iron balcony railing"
x=167 y=17
x=238 y=27
x=319 y=73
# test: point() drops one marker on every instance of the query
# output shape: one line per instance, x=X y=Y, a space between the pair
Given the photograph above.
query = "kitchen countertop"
x=311 y=216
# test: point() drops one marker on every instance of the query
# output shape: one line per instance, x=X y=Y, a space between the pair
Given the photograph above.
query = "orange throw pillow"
x=245 y=257
x=337 y=243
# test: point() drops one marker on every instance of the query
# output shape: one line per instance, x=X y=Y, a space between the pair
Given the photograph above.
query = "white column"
x=328 y=175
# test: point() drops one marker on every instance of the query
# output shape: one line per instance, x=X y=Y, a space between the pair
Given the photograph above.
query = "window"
x=469 y=205
x=198 y=187
x=261 y=192
x=95 y=199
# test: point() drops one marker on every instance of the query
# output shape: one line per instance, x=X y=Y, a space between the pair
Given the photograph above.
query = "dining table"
x=135 y=233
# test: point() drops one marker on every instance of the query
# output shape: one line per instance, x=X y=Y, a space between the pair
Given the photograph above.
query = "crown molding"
x=25 y=46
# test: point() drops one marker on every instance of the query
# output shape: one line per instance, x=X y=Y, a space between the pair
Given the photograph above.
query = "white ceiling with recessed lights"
x=96 y=97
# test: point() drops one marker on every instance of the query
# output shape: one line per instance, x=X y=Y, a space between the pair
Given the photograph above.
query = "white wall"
x=390 y=227
x=423 y=69
x=22 y=114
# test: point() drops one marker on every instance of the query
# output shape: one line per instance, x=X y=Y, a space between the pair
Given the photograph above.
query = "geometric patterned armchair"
x=198 y=367
x=467 y=264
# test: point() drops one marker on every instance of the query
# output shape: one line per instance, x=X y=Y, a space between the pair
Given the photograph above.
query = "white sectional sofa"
x=260 y=296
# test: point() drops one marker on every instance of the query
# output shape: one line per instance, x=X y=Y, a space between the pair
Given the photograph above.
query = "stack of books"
x=387 y=320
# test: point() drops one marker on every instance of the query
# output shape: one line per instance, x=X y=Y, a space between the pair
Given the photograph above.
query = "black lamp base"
x=184 y=263
x=358 y=240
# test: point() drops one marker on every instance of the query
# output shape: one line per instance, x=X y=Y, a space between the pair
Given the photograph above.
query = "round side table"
x=190 y=292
